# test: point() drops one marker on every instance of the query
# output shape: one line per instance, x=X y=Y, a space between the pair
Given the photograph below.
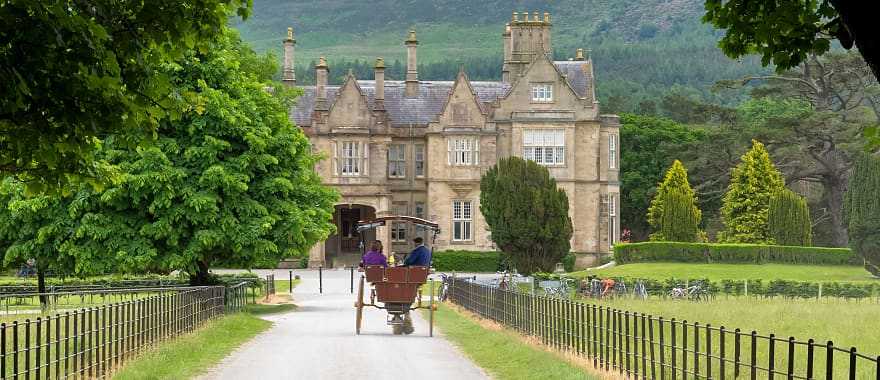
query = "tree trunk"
x=834 y=191
x=859 y=17
x=202 y=276
x=41 y=288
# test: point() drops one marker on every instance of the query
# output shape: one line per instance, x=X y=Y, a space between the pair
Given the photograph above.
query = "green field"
x=766 y=272
x=502 y=353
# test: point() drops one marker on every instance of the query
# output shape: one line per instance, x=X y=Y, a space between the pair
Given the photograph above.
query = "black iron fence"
x=93 y=342
x=639 y=345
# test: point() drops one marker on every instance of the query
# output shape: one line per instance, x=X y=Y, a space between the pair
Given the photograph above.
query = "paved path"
x=317 y=341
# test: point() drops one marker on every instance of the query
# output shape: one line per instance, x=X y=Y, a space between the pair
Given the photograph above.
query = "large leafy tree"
x=680 y=219
x=73 y=72
x=526 y=214
x=814 y=120
x=687 y=212
x=747 y=201
x=863 y=211
x=649 y=144
x=229 y=182
x=785 y=32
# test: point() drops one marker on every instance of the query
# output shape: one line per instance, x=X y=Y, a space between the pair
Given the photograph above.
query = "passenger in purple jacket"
x=374 y=256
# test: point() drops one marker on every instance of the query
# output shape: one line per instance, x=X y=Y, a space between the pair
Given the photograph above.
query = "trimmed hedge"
x=731 y=253
x=467 y=261
x=772 y=288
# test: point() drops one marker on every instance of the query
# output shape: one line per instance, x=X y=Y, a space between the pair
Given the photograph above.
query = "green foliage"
x=526 y=214
x=568 y=262
x=467 y=261
x=747 y=201
x=730 y=253
x=73 y=72
x=680 y=217
x=228 y=183
x=675 y=188
x=648 y=144
x=783 y=32
x=863 y=211
x=789 y=219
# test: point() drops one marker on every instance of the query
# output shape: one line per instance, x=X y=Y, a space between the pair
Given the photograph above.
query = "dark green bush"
x=731 y=253
x=568 y=262
x=467 y=261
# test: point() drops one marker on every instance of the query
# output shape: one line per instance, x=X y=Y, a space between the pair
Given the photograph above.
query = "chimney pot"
x=547 y=17
x=412 y=73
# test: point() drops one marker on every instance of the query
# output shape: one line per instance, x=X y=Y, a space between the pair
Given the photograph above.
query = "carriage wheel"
x=359 y=304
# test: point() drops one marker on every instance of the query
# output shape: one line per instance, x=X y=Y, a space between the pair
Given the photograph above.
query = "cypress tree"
x=789 y=219
x=746 y=205
x=862 y=207
x=680 y=221
x=676 y=179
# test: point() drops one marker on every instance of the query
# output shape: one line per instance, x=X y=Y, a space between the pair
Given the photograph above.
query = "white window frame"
x=462 y=220
x=613 y=235
x=544 y=146
x=397 y=161
x=419 y=160
x=612 y=151
x=542 y=92
x=353 y=158
x=463 y=151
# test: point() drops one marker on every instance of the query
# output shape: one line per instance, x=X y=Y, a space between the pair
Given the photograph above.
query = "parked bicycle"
x=640 y=291
x=444 y=287
x=695 y=292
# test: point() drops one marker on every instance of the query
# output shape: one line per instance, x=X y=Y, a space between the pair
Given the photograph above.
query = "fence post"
x=771 y=365
x=321 y=279
x=829 y=360
x=852 y=363
x=721 y=355
x=351 y=277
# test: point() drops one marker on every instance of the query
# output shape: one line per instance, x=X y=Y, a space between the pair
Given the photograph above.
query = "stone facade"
x=418 y=147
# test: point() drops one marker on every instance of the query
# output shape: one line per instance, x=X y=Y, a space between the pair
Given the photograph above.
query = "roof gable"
x=462 y=107
x=542 y=69
x=350 y=108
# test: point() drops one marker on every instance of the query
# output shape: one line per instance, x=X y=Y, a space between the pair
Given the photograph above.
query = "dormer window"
x=542 y=92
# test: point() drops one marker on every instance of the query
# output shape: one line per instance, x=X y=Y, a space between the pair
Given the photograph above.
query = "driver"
x=420 y=256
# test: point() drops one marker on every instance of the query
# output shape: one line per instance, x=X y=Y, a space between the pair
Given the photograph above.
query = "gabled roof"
x=432 y=97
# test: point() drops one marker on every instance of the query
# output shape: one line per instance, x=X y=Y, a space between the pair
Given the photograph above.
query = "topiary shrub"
x=789 y=219
x=680 y=217
x=862 y=206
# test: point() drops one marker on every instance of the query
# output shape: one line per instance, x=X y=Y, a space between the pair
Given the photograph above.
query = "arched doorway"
x=343 y=248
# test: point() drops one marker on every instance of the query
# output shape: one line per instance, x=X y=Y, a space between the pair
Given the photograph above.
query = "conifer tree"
x=746 y=205
x=526 y=214
x=680 y=219
x=676 y=179
x=862 y=206
x=789 y=219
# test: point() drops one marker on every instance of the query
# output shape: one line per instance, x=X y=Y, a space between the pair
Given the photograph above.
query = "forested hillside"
x=643 y=49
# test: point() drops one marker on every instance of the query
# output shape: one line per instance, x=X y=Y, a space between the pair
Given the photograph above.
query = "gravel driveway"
x=317 y=341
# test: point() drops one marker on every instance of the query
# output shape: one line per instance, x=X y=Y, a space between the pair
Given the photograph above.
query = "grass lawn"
x=766 y=272
x=502 y=353
x=179 y=360
x=283 y=286
x=843 y=322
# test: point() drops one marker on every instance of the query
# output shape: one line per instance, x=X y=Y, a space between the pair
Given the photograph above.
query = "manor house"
x=417 y=147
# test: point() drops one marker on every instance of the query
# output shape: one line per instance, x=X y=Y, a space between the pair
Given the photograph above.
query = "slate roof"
x=577 y=73
x=423 y=109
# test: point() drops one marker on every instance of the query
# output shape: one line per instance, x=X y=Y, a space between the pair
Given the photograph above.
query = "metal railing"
x=93 y=342
x=270 y=285
x=640 y=345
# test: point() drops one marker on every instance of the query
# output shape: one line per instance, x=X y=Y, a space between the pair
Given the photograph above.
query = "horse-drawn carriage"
x=397 y=289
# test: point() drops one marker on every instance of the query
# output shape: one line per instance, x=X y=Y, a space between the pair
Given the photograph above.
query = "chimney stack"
x=288 y=74
x=508 y=52
x=321 y=71
x=580 y=55
x=412 y=73
x=380 y=84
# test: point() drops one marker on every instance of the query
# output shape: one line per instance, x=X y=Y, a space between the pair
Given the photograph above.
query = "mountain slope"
x=642 y=48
